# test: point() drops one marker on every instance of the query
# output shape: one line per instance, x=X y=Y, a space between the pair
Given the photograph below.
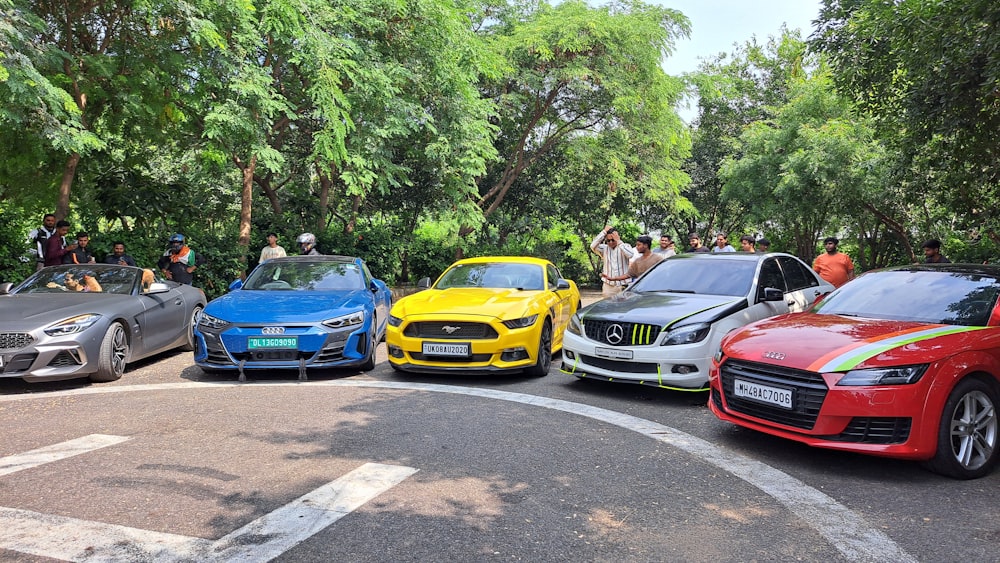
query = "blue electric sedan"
x=295 y=313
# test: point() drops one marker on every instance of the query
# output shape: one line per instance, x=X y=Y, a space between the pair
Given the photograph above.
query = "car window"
x=498 y=275
x=965 y=299
x=770 y=276
x=305 y=276
x=82 y=278
x=797 y=275
x=712 y=276
x=554 y=275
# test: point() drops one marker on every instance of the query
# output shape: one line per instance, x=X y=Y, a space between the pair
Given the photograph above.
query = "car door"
x=770 y=276
x=803 y=287
x=564 y=306
x=163 y=320
x=381 y=297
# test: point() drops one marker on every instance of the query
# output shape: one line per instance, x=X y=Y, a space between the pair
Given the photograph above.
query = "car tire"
x=113 y=356
x=544 y=362
x=372 y=343
x=189 y=342
x=968 y=431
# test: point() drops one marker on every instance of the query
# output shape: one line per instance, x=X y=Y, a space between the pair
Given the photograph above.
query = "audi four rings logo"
x=451 y=329
x=774 y=355
x=614 y=334
x=273 y=330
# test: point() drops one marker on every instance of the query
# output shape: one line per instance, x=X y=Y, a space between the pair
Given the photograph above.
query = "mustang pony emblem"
x=451 y=329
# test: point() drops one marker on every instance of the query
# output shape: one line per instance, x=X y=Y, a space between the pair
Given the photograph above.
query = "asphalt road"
x=171 y=464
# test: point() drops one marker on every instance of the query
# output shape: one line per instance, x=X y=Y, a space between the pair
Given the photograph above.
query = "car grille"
x=618 y=365
x=871 y=430
x=809 y=392
x=64 y=359
x=15 y=340
x=475 y=358
x=633 y=334
x=466 y=331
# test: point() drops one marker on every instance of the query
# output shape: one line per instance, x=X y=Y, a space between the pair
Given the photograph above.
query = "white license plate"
x=613 y=353
x=763 y=393
x=442 y=349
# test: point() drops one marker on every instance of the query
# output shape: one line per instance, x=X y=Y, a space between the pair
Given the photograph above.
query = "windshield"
x=305 y=276
x=965 y=299
x=493 y=275
x=715 y=276
x=82 y=278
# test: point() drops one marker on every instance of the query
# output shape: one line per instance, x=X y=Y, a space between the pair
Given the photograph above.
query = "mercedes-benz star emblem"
x=451 y=329
x=614 y=334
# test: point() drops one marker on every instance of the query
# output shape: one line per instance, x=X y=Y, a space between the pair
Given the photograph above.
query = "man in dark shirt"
x=79 y=253
x=932 y=252
x=695 y=244
x=118 y=255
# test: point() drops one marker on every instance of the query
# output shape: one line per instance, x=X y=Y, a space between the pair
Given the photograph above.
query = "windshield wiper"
x=679 y=290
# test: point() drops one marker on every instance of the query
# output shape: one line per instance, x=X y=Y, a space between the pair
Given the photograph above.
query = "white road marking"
x=846 y=531
x=263 y=539
x=70 y=448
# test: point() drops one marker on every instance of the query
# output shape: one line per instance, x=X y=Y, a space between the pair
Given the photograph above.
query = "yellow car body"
x=484 y=315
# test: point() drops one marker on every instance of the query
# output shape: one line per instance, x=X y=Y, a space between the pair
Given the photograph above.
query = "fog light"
x=514 y=354
x=569 y=355
x=395 y=351
x=684 y=369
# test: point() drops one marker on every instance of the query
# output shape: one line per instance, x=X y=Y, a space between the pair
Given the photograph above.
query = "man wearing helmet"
x=307 y=244
x=178 y=262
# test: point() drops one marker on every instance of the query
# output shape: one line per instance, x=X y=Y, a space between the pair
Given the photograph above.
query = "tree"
x=576 y=70
x=927 y=72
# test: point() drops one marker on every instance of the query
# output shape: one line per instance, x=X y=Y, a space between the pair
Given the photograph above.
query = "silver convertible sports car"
x=90 y=320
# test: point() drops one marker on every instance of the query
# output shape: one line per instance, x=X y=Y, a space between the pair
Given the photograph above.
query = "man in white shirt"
x=666 y=248
x=615 y=256
x=272 y=250
x=722 y=244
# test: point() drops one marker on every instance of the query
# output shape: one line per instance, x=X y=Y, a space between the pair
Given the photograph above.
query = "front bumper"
x=682 y=367
x=37 y=357
x=318 y=347
x=890 y=420
x=510 y=351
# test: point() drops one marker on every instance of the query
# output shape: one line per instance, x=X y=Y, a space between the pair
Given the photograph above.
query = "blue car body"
x=296 y=312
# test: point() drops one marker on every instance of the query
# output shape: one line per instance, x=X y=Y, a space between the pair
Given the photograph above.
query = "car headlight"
x=214 y=323
x=522 y=322
x=688 y=334
x=72 y=325
x=395 y=321
x=354 y=318
x=901 y=375
x=718 y=355
x=575 y=326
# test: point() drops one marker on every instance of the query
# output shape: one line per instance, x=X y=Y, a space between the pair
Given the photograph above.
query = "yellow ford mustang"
x=484 y=315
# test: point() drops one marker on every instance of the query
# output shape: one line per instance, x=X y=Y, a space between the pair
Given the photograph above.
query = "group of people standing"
x=52 y=246
x=622 y=262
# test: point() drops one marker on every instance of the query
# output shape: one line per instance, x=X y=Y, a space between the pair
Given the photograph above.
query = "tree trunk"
x=325 y=184
x=246 y=208
x=69 y=172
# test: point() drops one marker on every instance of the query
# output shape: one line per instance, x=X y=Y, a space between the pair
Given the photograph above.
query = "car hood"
x=663 y=308
x=250 y=306
x=489 y=302
x=832 y=343
x=40 y=309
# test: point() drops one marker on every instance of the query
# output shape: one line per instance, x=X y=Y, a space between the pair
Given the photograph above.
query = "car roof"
x=317 y=258
x=968 y=269
x=739 y=255
x=504 y=259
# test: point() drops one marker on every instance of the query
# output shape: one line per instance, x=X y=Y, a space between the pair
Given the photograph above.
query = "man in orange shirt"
x=833 y=266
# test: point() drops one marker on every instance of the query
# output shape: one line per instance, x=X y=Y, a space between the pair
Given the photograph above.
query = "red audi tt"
x=902 y=362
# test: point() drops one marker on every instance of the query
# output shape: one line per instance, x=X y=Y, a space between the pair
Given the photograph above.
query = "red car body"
x=783 y=376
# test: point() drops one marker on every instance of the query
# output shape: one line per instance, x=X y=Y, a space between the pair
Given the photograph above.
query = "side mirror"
x=5 y=288
x=424 y=283
x=771 y=294
x=561 y=284
x=377 y=285
x=157 y=287
x=237 y=284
